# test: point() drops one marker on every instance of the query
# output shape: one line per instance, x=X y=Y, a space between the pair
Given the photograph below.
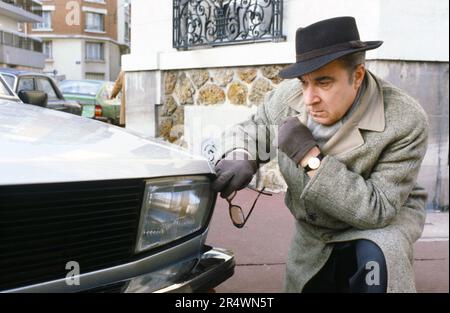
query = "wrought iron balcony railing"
x=198 y=23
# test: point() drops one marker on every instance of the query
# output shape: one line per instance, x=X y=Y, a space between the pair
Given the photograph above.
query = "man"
x=350 y=146
x=119 y=86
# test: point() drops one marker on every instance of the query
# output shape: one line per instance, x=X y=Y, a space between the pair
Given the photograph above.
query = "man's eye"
x=324 y=83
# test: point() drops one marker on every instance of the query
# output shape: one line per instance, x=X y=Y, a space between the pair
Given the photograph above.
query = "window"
x=104 y=95
x=127 y=32
x=43 y=84
x=213 y=22
x=109 y=89
x=47 y=21
x=37 y=46
x=9 y=79
x=8 y=39
x=48 y=49
x=80 y=87
x=26 y=84
x=3 y=89
x=95 y=76
x=95 y=51
x=95 y=22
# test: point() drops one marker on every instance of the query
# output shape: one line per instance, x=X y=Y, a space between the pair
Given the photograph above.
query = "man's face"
x=330 y=91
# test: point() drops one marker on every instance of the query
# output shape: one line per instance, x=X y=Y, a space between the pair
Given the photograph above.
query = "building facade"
x=184 y=76
x=18 y=50
x=84 y=39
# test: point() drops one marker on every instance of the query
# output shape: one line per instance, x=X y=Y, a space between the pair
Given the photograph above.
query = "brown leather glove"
x=295 y=139
x=234 y=172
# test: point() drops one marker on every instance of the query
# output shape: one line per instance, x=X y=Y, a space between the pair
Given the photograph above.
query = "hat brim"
x=301 y=68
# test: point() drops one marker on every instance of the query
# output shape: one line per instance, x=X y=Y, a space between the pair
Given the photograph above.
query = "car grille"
x=42 y=227
x=112 y=288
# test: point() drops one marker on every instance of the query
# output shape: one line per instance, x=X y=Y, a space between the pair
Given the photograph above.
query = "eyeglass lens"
x=237 y=215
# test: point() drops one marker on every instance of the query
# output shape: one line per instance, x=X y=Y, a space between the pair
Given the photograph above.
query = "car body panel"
x=111 y=109
x=87 y=102
x=49 y=146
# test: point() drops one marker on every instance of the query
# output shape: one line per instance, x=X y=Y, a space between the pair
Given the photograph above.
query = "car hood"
x=38 y=145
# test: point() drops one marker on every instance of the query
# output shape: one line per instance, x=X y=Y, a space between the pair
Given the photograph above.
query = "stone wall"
x=244 y=86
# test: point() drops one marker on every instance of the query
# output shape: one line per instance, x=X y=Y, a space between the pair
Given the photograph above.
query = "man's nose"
x=311 y=97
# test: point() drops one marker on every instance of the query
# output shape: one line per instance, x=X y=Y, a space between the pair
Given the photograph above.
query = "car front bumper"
x=194 y=268
x=214 y=267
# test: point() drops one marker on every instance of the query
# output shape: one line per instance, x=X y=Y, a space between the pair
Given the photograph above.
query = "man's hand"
x=295 y=139
x=234 y=172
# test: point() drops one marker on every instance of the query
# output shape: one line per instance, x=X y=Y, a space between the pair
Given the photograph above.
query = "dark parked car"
x=92 y=207
x=21 y=81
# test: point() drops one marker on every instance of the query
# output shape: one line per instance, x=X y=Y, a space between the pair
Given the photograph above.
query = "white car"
x=87 y=206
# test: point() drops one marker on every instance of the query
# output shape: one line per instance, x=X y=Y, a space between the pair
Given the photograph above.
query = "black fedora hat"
x=323 y=42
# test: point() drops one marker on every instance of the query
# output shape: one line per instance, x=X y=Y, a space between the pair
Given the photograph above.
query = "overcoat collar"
x=369 y=115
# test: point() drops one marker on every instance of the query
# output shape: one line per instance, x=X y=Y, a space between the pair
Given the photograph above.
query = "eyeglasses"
x=236 y=213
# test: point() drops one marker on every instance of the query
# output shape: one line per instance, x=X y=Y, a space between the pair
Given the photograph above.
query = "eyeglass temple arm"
x=260 y=191
x=254 y=203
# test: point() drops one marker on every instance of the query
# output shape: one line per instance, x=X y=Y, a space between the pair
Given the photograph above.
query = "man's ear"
x=359 y=75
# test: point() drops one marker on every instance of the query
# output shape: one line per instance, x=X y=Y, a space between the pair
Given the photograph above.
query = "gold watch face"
x=314 y=163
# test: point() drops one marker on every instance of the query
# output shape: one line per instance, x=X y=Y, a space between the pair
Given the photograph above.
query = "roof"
x=15 y=72
x=88 y=81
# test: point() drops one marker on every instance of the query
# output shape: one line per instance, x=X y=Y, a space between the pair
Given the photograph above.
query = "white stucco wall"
x=69 y=59
x=66 y=54
x=7 y=23
x=410 y=29
x=414 y=30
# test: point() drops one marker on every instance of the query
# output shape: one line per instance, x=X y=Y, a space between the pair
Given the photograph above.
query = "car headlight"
x=173 y=208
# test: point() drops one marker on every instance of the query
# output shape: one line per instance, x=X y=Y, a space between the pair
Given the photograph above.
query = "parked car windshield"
x=109 y=86
x=9 y=80
x=3 y=89
x=80 y=87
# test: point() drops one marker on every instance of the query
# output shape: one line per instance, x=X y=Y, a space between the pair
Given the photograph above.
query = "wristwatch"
x=314 y=163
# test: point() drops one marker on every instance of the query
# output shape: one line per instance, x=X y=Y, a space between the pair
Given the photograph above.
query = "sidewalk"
x=262 y=245
x=431 y=255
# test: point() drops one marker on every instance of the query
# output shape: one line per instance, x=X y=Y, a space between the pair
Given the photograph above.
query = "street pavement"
x=261 y=246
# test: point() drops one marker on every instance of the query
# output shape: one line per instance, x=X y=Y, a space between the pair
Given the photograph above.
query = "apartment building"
x=17 y=49
x=84 y=39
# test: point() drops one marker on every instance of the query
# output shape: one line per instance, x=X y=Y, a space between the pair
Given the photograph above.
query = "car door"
x=110 y=107
x=25 y=83
x=55 y=101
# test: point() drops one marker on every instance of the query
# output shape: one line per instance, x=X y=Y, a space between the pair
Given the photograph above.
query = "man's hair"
x=351 y=61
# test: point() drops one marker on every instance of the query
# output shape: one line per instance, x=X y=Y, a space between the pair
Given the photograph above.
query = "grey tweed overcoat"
x=365 y=187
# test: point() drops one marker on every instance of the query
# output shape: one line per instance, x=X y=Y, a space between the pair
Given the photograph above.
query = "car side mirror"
x=34 y=97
